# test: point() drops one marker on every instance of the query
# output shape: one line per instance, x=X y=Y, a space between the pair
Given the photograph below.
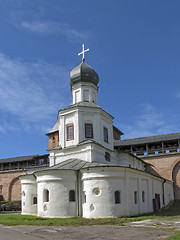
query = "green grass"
x=176 y=237
x=17 y=219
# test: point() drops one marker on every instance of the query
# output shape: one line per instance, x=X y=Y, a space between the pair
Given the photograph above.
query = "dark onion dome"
x=83 y=73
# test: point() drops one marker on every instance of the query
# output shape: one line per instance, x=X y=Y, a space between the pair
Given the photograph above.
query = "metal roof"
x=83 y=73
x=54 y=129
x=76 y=164
x=144 y=140
x=18 y=159
x=21 y=159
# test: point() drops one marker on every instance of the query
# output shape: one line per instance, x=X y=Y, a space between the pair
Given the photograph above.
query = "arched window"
x=135 y=197
x=143 y=196
x=34 y=200
x=46 y=195
x=72 y=196
x=117 y=197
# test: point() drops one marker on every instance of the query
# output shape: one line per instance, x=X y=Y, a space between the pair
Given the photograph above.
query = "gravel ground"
x=143 y=230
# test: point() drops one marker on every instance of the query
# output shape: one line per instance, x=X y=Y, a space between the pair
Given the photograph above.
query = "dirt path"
x=144 y=230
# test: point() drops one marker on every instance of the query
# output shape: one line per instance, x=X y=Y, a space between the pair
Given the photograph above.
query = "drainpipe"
x=163 y=191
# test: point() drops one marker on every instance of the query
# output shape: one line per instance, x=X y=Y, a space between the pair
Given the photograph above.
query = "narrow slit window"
x=106 y=135
x=117 y=197
x=46 y=195
x=143 y=196
x=135 y=197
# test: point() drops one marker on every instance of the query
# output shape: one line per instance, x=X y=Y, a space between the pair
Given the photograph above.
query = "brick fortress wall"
x=11 y=187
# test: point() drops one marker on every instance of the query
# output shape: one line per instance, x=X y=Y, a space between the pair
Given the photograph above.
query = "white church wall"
x=137 y=190
x=28 y=193
x=58 y=184
x=99 y=187
x=82 y=152
x=168 y=192
x=84 y=92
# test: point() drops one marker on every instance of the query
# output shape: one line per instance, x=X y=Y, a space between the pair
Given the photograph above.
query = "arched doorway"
x=176 y=179
x=14 y=190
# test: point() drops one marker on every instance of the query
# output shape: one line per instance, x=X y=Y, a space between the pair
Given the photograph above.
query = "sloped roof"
x=18 y=159
x=54 y=129
x=76 y=164
x=144 y=140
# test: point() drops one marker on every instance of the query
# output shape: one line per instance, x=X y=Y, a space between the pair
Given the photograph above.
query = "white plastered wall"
x=58 y=183
x=84 y=92
x=28 y=192
x=124 y=180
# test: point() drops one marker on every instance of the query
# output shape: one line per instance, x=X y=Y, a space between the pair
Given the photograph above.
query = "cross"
x=83 y=51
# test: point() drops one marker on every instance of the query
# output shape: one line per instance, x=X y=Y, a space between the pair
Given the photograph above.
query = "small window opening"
x=84 y=197
x=106 y=135
x=117 y=197
x=46 y=195
x=107 y=157
x=34 y=200
x=135 y=197
x=143 y=196
x=72 y=196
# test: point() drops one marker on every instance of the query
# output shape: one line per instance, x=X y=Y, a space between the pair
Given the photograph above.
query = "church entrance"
x=156 y=202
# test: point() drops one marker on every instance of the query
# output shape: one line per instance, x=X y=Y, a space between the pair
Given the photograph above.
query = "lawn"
x=17 y=219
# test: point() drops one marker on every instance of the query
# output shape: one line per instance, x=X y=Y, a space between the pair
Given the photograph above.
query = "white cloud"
x=148 y=123
x=31 y=93
x=48 y=28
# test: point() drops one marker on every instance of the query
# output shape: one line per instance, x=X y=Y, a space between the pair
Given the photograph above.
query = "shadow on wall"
x=151 y=169
x=176 y=180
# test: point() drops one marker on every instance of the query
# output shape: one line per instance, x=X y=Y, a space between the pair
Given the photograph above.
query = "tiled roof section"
x=55 y=128
x=144 y=140
x=18 y=159
x=76 y=164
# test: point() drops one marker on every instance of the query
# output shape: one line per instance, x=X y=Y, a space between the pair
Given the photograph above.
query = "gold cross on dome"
x=83 y=51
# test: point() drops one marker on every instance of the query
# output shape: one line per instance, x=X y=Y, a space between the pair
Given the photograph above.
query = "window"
x=88 y=130
x=72 y=196
x=96 y=191
x=70 y=132
x=105 y=134
x=34 y=200
x=107 y=156
x=143 y=196
x=117 y=197
x=135 y=197
x=46 y=195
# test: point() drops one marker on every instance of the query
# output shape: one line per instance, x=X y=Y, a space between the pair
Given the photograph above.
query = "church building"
x=89 y=174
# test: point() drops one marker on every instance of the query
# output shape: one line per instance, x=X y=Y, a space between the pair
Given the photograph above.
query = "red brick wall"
x=11 y=189
x=168 y=167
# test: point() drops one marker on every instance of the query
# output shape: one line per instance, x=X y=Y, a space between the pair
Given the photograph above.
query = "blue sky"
x=134 y=47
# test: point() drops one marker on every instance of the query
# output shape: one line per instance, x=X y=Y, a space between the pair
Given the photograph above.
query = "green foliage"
x=176 y=237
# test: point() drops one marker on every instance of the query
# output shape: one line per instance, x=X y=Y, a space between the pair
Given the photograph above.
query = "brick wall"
x=53 y=140
x=11 y=189
x=168 y=167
